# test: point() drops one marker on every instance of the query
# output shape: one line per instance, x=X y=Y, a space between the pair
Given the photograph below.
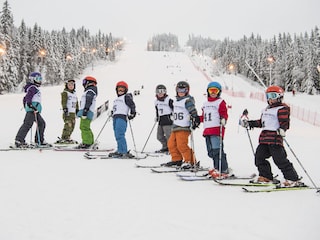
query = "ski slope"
x=51 y=195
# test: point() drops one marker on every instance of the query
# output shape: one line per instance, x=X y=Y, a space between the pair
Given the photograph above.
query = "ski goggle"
x=161 y=91
x=273 y=95
x=121 y=89
x=38 y=78
x=182 y=90
x=213 y=90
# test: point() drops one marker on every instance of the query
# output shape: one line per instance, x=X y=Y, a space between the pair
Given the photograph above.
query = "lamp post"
x=93 y=51
x=231 y=69
x=2 y=50
x=270 y=60
x=41 y=55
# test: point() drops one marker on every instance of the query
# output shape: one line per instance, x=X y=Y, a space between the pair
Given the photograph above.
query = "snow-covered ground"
x=60 y=195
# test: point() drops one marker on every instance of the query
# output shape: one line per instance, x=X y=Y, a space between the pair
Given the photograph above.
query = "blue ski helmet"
x=35 y=78
x=215 y=85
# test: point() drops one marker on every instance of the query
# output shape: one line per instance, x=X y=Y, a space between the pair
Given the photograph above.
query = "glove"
x=281 y=132
x=84 y=113
x=223 y=121
x=32 y=107
x=132 y=115
x=195 y=122
x=65 y=112
x=246 y=124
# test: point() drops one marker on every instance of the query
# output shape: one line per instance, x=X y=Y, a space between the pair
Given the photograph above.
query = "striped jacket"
x=281 y=120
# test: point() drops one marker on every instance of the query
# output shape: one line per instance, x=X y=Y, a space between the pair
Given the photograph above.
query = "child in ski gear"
x=70 y=106
x=274 y=121
x=214 y=117
x=164 y=107
x=86 y=112
x=122 y=105
x=33 y=108
x=185 y=116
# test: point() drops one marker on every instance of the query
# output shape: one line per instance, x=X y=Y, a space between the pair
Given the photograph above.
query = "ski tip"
x=245 y=189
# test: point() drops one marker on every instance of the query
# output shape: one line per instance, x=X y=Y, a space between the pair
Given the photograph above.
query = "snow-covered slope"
x=53 y=195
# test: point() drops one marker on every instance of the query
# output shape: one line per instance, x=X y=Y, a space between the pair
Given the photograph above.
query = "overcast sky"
x=139 y=20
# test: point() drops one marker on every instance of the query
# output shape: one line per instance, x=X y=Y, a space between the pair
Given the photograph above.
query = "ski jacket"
x=122 y=105
x=272 y=118
x=164 y=109
x=88 y=101
x=69 y=100
x=32 y=98
x=183 y=110
x=213 y=110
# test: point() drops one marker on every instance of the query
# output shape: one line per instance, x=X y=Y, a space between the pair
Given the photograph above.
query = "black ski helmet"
x=161 y=89
x=183 y=85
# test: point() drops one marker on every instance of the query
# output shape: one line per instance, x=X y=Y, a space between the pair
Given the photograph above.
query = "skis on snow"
x=207 y=176
x=30 y=147
x=258 y=187
x=90 y=155
x=75 y=149
x=163 y=169
x=275 y=189
x=152 y=154
x=239 y=183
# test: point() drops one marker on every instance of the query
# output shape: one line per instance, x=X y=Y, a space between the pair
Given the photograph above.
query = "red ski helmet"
x=122 y=84
x=274 y=92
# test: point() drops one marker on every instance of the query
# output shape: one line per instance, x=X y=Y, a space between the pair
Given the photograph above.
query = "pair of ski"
x=152 y=154
x=164 y=169
x=264 y=187
x=75 y=149
x=234 y=181
x=92 y=155
x=206 y=176
x=30 y=147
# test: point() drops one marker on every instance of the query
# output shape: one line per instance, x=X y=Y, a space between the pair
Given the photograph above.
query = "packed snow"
x=50 y=195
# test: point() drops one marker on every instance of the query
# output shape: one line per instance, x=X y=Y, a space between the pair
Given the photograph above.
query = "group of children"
x=123 y=109
x=274 y=121
x=71 y=109
x=176 y=118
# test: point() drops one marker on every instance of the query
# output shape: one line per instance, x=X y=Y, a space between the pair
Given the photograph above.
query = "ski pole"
x=95 y=141
x=250 y=141
x=31 y=135
x=318 y=190
x=148 y=137
x=220 y=150
x=245 y=115
x=37 y=128
x=193 y=157
x=134 y=142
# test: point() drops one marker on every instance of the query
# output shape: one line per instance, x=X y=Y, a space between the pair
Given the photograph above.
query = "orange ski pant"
x=179 y=148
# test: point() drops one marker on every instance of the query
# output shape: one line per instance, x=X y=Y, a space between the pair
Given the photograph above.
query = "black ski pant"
x=28 y=121
x=279 y=156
